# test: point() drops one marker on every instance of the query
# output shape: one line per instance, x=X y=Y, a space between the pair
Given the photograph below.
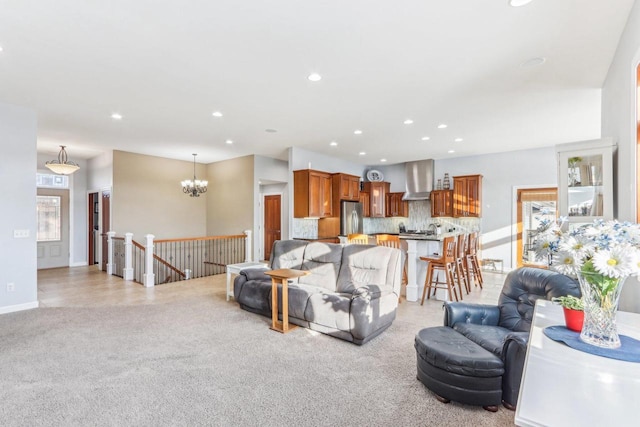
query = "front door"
x=535 y=205
x=53 y=228
x=272 y=220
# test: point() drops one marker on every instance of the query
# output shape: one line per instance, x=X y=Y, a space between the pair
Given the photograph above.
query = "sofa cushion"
x=287 y=254
x=490 y=338
x=364 y=265
x=322 y=260
x=329 y=309
x=256 y=295
x=298 y=298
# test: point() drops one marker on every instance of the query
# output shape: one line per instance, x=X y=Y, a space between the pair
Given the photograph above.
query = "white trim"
x=79 y=264
x=19 y=307
x=260 y=237
x=514 y=219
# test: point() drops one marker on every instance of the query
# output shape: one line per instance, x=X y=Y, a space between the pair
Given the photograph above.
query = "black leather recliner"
x=504 y=329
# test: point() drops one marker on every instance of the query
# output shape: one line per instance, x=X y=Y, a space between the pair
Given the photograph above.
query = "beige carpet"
x=203 y=361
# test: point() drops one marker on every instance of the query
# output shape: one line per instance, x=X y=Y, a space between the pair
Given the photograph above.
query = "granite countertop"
x=439 y=238
x=315 y=238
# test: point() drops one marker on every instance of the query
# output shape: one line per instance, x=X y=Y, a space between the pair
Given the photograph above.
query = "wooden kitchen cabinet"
x=395 y=206
x=377 y=197
x=441 y=203
x=365 y=200
x=312 y=192
x=346 y=187
x=467 y=196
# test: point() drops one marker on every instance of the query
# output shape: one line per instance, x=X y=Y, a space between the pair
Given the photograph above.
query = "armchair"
x=504 y=329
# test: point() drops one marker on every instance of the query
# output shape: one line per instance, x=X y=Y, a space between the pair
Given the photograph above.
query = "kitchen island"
x=417 y=246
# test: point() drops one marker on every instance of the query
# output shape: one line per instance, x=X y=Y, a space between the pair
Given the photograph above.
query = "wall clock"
x=375 y=175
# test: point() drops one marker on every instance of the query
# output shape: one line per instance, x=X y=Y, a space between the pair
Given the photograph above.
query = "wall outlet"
x=20 y=234
x=11 y=287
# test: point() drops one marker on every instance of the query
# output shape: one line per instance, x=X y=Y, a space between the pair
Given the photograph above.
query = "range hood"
x=419 y=177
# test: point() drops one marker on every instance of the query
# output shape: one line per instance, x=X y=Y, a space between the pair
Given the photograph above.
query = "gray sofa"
x=351 y=292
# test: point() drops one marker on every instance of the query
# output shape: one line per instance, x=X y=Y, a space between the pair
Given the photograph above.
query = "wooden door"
x=106 y=226
x=315 y=194
x=92 y=221
x=272 y=221
x=474 y=191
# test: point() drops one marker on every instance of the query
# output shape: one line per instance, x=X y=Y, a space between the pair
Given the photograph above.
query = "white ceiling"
x=167 y=65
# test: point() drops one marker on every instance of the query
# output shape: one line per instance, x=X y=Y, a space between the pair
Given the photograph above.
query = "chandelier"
x=62 y=166
x=194 y=187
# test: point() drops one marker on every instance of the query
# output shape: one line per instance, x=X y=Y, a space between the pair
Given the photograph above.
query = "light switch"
x=20 y=234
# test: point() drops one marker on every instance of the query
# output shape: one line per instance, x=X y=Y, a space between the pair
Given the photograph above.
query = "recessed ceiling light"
x=228 y=141
x=533 y=62
x=442 y=126
x=333 y=143
x=451 y=151
x=116 y=116
x=408 y=122
x=217 y=114
x=383 y=160
x=518 y=3
x=271 y=130
x=458 y=140
x=357 y=132
x=362 y=153
x=425 y=138
x=314 y=77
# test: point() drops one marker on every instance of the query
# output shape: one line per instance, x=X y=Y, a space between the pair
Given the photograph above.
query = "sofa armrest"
x=255 y=274
x=513 y=356
x=478 y=314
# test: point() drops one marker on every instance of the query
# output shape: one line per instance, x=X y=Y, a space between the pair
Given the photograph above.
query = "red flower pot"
x=573 y=319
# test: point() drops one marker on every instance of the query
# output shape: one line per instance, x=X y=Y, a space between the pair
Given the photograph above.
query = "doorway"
x=272 y=222
x=53 y=228
x=106 y=226
x=534 y=206
x=93 y=222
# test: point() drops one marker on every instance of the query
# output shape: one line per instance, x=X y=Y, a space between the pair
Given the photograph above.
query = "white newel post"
x=412 y=269
x=127 y=272
x=149 y=277
x=247 y=253
x=110 y=263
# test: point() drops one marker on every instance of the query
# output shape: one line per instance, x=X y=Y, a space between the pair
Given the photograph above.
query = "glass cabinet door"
x=585 y=181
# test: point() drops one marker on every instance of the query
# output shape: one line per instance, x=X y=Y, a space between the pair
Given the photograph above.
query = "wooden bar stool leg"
x=451 y=285
x=427 y=282
x=477 y=271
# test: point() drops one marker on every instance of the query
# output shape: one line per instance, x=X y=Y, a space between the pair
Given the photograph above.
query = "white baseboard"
x=19 y=307
x=79 y=264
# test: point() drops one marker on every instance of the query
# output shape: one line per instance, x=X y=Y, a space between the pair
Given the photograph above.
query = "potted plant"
x=573 y=308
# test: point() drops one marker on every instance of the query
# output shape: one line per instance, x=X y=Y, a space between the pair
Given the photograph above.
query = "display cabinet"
x=585 y=180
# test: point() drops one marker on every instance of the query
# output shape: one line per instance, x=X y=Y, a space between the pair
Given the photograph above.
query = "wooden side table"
x=282 y=275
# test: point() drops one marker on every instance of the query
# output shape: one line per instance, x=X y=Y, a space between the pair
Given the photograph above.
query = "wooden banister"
x=189 y=239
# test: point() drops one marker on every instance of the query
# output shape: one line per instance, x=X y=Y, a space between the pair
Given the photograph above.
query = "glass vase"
x=601 y=296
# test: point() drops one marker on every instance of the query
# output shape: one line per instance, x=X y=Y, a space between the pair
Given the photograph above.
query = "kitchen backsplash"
x=419 y=219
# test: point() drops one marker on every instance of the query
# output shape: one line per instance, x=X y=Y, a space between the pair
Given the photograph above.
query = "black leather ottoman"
x=455 y=368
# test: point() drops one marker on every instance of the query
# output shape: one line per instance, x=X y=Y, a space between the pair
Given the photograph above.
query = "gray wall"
x=18 y=132
x=619 y=120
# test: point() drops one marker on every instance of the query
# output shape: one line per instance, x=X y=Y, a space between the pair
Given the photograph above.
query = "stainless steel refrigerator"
x=350 y=218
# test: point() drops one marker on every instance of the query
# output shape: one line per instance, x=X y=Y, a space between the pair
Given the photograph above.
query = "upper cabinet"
x=312 y=192
x=365 y=199
x=395 y=206
x=585 y=180
x=377 y=198
x=441 y=203
x=346 y=187
x=467 y=196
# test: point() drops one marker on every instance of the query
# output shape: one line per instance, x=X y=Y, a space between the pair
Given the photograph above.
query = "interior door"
x=272 y=221
x=53 y=228
x=106 y=226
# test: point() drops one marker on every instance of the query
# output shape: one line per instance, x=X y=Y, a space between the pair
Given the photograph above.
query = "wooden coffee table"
x=282 y=275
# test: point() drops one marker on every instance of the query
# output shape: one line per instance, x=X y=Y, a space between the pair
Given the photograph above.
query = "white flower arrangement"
x=608 y=248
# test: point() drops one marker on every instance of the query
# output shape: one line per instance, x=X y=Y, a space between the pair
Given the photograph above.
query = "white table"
x=566 y=387
x=237 y=268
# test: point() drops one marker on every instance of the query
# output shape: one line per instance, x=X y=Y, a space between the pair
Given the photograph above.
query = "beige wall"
x=147 y=197
x=230 y=201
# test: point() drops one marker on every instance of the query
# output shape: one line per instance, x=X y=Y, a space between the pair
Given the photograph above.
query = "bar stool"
x=462 y=275
x=392 y=241
x=358 y=239
x=473 y=266
x=447 y=264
